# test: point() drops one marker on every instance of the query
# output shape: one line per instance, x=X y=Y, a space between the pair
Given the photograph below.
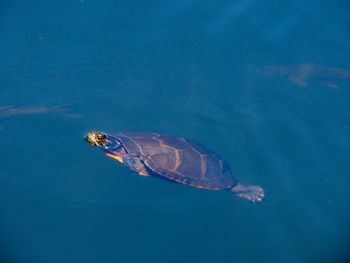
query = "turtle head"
x=96 y=138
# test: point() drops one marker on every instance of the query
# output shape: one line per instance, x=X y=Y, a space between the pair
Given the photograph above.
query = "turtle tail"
x=251 y=193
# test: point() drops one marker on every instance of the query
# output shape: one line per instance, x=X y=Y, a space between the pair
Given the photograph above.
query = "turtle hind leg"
x=251 y=193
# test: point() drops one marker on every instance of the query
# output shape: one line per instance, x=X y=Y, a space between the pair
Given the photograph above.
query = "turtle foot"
x=251 y=193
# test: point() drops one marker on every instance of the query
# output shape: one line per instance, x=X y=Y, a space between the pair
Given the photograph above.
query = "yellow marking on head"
x=115 y=157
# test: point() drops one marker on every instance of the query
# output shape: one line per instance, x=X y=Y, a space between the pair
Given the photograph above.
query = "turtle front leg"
x=135 y=165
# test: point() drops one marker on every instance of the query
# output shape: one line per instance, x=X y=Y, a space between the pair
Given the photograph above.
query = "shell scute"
x=189 y=161
x=174 y=143
x=212 y=166
x=166 y=161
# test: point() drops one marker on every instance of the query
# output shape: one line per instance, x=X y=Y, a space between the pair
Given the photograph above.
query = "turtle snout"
x=90 y=140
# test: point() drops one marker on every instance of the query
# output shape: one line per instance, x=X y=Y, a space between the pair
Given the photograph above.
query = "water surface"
x=230 y=75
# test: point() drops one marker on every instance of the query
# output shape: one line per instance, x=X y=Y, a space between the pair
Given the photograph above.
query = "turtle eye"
x=101 y=136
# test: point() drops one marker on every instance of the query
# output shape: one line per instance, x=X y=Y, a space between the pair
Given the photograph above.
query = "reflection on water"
x=303 y=74
x=62 y=110
x=65 y=111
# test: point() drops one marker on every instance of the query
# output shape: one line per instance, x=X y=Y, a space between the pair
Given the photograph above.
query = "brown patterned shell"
x=180 y=160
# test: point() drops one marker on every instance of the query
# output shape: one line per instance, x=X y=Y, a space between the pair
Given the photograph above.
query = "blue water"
x=264 y=83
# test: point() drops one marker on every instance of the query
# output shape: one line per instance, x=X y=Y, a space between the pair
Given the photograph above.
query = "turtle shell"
x=179 y=159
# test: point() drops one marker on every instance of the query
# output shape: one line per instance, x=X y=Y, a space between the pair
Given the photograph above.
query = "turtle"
x=176 y=159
